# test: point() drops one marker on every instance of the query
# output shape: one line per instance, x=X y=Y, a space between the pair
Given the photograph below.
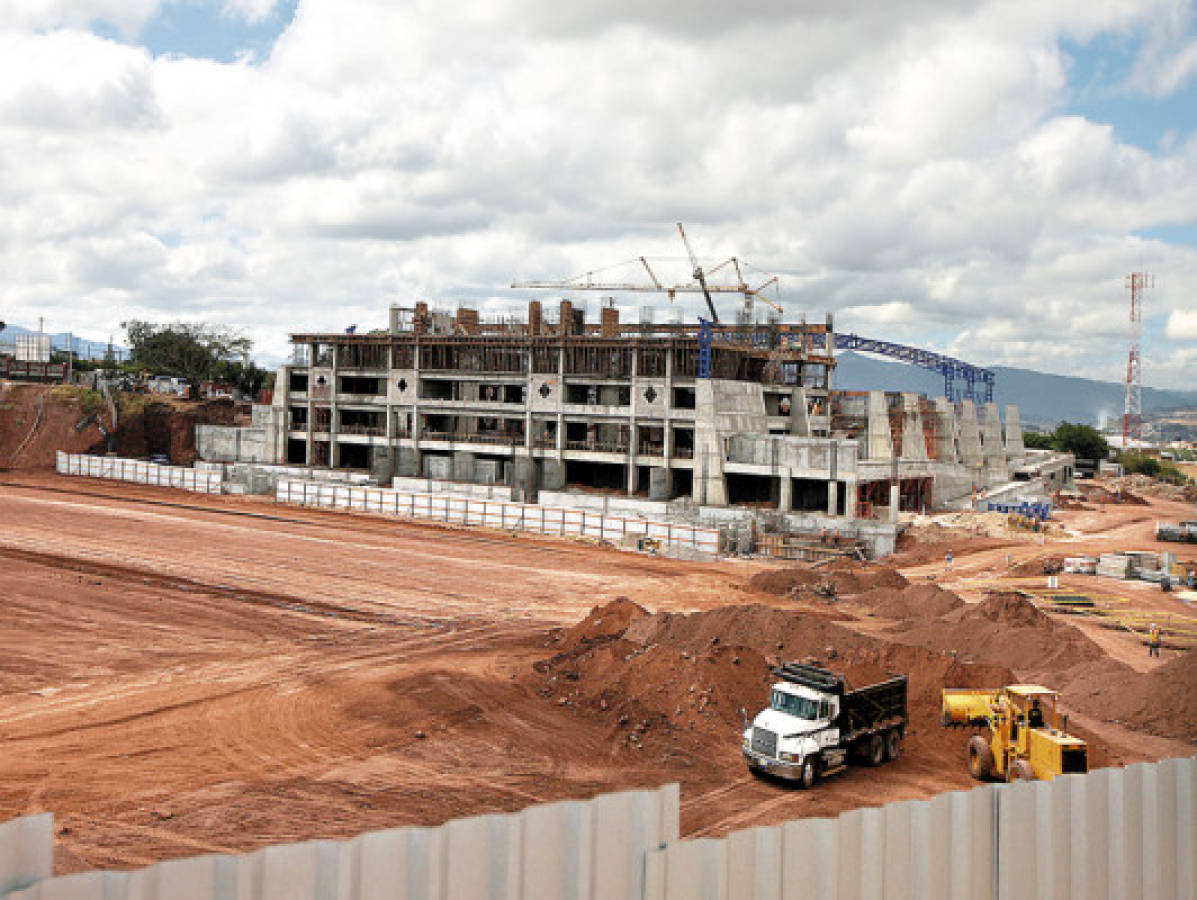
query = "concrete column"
x=799 y=414
x=851 y=495
x=914 y=442
x=945 y=427
x=880 y=440
x=1016 y=451
x=785 y=493
x=970 y=437
x=894 y=500
x=992 y=448
x=832 y=497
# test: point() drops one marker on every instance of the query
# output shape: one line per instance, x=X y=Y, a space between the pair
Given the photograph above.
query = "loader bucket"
x=965 y=706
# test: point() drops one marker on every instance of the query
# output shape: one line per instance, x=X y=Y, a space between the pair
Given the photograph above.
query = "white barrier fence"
x=26 y=851
x=529 y=517
x=138 y=472
x=575 y=850
x=1115 y=833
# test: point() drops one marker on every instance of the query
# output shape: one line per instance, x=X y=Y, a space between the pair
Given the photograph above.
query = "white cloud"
x=1182 y=326
x=908 y=170
x=251 y=11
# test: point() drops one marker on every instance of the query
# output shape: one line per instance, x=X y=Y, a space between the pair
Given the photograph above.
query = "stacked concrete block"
x=880 y=440
x=914 y=444
x=992 y=448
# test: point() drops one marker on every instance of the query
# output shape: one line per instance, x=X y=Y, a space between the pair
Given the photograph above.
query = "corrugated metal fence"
x=1115 y=833
x=26 y=851
x=139 y=472
x=462 y=510
x=575 y=850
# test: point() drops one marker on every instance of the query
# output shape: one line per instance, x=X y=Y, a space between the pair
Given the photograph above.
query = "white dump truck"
x=815 y=724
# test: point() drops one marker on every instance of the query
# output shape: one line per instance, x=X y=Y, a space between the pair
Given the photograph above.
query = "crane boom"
x=698 y=275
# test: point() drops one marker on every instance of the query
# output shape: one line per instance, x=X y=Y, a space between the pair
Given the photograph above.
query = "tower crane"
x=587 y=282
x=698 y=274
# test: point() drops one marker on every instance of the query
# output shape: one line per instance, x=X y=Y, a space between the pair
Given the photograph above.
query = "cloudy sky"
x=975 y=177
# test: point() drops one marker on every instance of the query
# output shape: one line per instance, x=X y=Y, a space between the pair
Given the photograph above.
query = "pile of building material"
x=1114 y=565
x=1081 y=565
x=1184 y=532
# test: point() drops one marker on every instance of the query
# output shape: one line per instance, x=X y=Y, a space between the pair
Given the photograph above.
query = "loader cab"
x=1029 y=726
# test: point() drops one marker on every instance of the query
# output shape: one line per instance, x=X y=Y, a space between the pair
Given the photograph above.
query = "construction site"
x=185 y=673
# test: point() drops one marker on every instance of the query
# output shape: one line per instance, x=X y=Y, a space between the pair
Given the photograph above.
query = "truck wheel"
x=875 y=750
x=1020 y=770
x=893 y=743
x=809 y=774
x=980 y=758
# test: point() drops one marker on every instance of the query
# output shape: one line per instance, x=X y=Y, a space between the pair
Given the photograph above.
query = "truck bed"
x=868 y=708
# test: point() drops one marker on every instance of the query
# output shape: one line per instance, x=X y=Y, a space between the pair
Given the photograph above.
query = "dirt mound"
x=675 y=683
x=915 y=601
x=36 y=421
x=842 y=578
x=1006 y=628
x=1162 y=702
x=604 y=623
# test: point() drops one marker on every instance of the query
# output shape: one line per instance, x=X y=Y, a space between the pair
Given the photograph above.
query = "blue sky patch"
x=199 y=29
x=1098 y=87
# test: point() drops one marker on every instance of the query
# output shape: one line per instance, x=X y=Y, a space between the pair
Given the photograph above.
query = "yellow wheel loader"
x=1026 y=739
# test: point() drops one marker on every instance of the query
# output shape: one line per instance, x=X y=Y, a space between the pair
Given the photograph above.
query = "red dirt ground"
x=183 y=674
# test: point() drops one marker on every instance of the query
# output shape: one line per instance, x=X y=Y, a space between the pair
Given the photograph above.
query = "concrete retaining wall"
x=138 y=472
x=437 y=486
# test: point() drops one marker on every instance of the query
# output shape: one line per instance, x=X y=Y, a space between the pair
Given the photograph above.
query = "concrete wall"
x=227 y=443
x=138 y=472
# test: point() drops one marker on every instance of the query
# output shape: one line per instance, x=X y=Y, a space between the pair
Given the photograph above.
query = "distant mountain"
x=1041 y=398
x=84 y=348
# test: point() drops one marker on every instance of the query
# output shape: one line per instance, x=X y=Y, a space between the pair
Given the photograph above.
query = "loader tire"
x=875 y=750
x=980 y=758
x=1020 y=770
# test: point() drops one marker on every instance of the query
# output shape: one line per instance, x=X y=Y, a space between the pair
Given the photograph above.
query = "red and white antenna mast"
x=1132 y=413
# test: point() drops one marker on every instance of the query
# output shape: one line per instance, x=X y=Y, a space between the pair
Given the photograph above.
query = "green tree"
x=1082 y=441
x=1037 y=440
x=188 y=350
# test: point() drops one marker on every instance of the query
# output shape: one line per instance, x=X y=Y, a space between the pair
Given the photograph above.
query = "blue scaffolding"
x=704 y=348
x=961 y=380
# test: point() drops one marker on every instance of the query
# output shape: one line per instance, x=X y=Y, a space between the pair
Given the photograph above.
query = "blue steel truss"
x=961 y=380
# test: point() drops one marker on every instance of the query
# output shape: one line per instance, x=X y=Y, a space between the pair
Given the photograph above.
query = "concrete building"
x=739 y=416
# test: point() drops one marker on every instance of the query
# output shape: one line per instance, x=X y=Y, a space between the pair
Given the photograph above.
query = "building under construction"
x=719 y=415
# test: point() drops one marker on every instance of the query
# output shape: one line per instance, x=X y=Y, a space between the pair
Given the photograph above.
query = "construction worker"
x=1035 y=715
x=947 y=560
x=1153 y=640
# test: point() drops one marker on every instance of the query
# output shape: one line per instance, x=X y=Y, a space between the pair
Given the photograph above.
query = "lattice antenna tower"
x=1132 y=413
